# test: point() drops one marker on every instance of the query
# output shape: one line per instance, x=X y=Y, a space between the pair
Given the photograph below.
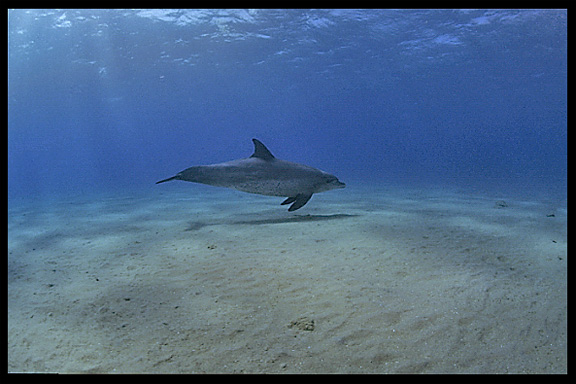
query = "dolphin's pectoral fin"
x=288 y=200
x=299 y=201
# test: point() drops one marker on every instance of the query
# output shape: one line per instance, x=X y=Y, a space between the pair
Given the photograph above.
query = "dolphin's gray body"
x=264 y=174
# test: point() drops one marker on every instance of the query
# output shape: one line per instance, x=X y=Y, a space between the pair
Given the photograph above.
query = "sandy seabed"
x=194 y=279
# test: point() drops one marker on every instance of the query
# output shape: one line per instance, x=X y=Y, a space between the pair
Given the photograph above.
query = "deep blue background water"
x=112 y=100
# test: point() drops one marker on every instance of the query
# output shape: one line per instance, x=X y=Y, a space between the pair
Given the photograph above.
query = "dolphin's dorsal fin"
x=260 y=151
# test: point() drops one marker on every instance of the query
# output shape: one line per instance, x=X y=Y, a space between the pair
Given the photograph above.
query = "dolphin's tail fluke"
x=168 y=179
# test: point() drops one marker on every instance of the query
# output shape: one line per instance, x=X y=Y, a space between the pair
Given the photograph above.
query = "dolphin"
x=263 y=174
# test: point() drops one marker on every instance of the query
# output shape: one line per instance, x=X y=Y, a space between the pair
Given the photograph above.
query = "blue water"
x=109 y=101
